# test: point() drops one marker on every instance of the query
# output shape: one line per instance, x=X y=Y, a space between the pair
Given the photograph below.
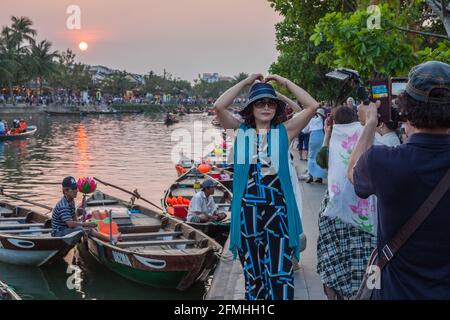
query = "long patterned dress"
x=265 y=254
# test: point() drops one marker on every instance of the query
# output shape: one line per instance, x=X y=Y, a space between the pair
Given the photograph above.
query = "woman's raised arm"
x=296 y=124
x=226 y=118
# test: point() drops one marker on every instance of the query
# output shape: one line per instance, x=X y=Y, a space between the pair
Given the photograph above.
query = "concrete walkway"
x=228 y=281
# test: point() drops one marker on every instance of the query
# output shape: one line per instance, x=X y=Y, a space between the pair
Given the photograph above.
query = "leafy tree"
x=316 y=36
x=22 y=31
x=41 y=60
x=69 y=75
x=386 y=50
x=117 y=83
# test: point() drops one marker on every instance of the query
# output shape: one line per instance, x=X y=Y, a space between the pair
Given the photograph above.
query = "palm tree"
x=41 y=61
x=8 y=58
x=22 y=31
x=14 y=48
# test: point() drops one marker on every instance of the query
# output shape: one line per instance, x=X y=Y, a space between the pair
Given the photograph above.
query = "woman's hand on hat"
x=278 y=79
x=253 y=77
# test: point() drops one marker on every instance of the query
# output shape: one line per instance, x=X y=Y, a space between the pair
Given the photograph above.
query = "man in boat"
x=23 y=127
x=64 y=219
x=202 y=207
x=3 y=129
x=15 y=128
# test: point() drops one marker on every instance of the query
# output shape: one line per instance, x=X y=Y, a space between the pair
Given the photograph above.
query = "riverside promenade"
x=228 y=280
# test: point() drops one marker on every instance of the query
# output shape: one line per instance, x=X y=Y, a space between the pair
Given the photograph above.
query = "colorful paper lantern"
x=86 y=185
x=218 y=152
x=204 y=168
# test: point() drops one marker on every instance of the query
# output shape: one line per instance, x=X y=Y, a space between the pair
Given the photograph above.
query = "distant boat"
x=83 y=111
x=169 y=120
x=30 y=132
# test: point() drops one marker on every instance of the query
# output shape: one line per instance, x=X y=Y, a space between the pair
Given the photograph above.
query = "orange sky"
x=187 y=37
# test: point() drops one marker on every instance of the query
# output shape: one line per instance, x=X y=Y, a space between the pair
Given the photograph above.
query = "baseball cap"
x=426 y=77
x=208 y=184
x=69 y=182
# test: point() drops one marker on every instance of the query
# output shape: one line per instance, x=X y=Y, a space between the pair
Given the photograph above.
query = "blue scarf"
x=277 y=140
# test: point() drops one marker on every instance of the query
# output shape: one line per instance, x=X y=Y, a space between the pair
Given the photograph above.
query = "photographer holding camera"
x=413 y=249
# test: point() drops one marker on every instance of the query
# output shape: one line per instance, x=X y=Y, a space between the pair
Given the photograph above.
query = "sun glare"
x=83 y=46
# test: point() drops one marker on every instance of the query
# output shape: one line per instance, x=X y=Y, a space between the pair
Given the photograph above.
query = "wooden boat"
x=30 y=132
x=6 y=293
x=25 y=238
x=184 y=187
x=195 y=111
x=155 y=249
x=169 y=122
x=215 y=173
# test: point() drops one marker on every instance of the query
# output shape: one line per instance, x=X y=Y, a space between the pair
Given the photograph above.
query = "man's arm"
x=366 y=139
x=67 y=218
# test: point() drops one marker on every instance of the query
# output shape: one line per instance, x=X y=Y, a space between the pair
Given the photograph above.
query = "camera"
x=384 y=89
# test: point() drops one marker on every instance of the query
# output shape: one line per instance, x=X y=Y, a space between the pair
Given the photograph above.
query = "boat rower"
x=64 y=219
x=202 y=207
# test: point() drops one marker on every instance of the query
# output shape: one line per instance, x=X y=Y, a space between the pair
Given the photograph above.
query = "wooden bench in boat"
x=154 y=243
x=26 y=231
x=190 y=192
x=13 y=219
x=101 y=202
x=20 y=226
x=4 y=212
x=134 y=223
x=151 y=234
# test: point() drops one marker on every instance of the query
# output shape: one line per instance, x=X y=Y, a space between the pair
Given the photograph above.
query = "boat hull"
x=31 y=131
x=35 y=251
x=7 y=293
x=159 y=271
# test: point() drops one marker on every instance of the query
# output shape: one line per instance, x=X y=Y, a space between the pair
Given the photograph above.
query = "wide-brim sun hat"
x=260 y=91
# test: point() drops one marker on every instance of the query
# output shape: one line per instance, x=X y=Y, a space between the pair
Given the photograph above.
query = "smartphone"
x=398 y=86
x=380 y=89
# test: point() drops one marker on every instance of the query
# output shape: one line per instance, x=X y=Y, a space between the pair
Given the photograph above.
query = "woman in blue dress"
x=265 y=219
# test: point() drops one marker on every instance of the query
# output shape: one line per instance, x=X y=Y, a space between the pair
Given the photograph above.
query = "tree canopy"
x=316 y=36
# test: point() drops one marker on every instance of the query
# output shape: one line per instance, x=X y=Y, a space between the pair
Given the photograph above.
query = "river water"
x=130 y=151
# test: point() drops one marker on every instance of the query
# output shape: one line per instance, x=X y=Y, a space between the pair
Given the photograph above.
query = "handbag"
x=377 y=262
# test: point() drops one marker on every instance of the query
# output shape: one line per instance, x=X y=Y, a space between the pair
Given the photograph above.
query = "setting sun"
x=83 y=46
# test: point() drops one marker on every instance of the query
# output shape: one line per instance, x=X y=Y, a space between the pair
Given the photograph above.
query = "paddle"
x=134 y=193
x=23 y=200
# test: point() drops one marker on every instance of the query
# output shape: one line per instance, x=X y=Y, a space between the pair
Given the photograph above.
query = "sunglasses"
x=71 y=188
x=261 y=104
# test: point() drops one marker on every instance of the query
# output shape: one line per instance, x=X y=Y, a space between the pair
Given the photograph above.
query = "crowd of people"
x=97 y=99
